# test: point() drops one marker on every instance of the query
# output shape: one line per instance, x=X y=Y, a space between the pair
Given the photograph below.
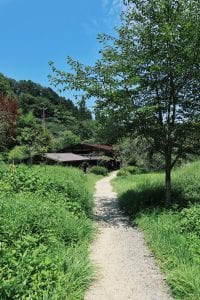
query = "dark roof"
x=65 y=157
x=101 y=147
x=81 y=149
x=103 y=158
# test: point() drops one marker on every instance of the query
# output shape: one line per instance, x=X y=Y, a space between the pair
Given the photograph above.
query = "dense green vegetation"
x=99 y=170
x=45 y=121
x=45 y=228
x=91 y=181
x=173 y=234
x=146 y=84
x=146 y=79
x=129 y=170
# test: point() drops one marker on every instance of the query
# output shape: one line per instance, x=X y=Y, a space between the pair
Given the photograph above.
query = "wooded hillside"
x=46 y=121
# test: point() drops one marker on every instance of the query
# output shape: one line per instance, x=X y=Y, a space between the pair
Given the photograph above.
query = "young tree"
x=64 y=140
x=32 y=136
x=147 y=79
x=137 y=152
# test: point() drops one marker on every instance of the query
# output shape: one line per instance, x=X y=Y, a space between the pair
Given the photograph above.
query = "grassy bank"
x=45 y=229
x=173 y=234
x=91 y=180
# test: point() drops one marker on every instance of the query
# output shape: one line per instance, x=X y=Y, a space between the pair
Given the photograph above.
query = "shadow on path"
x=108 y=213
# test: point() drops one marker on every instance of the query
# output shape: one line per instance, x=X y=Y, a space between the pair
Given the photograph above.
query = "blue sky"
x=34 y=32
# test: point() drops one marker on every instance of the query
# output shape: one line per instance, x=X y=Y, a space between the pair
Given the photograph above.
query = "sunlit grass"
x=175 y=246
x=46 y=229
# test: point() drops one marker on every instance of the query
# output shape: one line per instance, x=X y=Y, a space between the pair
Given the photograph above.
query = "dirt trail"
x=126 y=268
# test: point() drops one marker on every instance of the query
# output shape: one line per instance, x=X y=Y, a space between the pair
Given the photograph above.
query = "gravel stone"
x=126 y=269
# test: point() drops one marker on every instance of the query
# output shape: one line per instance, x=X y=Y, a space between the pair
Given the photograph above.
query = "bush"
x=72 y=190
x=98 y=170
x=191 y=220
x=130 y=170
x=137 y=151
x=45 y=230
x=22 y=179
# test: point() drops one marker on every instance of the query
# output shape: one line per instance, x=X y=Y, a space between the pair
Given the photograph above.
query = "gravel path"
x=126 y=268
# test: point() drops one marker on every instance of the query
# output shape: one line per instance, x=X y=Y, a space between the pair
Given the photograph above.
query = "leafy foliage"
x=99 y=170
x=147 y=80
x=191 y=220
x=34 y=138
x=47 y=121
x=66 y=139
x=5 y=87
x=130 y=170
x=45 y=230
x=137 y=152
x=18 y=153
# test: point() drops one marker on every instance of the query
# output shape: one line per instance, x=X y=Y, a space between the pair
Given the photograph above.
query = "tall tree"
x=147 y=79
x=5 y=88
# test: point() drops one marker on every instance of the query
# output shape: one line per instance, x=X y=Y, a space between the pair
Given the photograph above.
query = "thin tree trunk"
x=167 y=187
x=168 y=168
x=12 y=166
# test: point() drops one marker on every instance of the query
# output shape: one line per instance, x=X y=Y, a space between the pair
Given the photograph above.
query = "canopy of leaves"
x=147 y=79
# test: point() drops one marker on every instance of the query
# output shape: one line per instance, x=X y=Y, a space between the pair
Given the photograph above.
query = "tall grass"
x=146 y=191
x=91 y=180
x=173 y=234
x=45 y=230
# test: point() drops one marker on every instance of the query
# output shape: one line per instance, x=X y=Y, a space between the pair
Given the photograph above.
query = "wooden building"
x=90 y=154
x=66 y=158
x=91 y=149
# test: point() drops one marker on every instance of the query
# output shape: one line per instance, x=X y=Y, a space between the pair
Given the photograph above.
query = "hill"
x=42 y=108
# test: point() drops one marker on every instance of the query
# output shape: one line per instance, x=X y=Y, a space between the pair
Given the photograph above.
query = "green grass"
x=146 y=191
x=45 y=230
x=91 y=180
x=173 y=234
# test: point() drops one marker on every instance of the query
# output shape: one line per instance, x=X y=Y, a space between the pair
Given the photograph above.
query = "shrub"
x=129 y=170
x=190 y=221
x=24 y=180
x=73 y=190
x=98 y=170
